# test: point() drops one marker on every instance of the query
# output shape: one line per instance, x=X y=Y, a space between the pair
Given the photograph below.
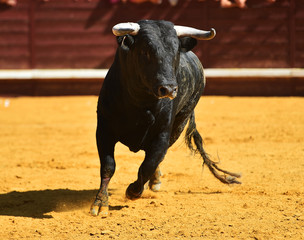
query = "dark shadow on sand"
x=37 y=204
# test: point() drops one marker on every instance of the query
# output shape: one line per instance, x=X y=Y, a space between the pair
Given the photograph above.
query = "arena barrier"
x=230 y=82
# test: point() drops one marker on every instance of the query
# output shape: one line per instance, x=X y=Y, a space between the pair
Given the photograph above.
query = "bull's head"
x=151 y=51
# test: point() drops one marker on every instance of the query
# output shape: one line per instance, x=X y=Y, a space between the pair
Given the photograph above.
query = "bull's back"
x=191 y=82
x=191 y=79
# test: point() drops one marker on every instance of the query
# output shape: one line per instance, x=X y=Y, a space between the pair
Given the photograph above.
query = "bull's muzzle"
x=167 y=91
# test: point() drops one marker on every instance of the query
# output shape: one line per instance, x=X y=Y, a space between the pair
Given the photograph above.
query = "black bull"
x=146 y=100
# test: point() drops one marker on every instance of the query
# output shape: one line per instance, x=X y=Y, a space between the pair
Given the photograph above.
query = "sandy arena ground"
x=49 y=172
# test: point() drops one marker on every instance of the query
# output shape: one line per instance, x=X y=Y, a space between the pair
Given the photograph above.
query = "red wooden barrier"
x=77 y=34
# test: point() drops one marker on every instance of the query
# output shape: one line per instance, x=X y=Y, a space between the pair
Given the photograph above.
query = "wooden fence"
x=58 y=34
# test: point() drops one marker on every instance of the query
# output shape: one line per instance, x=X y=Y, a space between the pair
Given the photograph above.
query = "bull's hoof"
x=104 y=211
x=131 y=194
x=155 y=187
x=97 y=209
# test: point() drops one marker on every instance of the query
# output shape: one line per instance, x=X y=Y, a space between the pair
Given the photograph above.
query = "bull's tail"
x=193 y=134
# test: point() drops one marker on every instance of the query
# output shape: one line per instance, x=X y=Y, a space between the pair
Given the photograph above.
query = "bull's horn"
x=182 y=31
x=122 y=29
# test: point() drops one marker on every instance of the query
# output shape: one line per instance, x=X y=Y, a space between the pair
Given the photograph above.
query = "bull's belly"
x=134 y=143
x=134 y=135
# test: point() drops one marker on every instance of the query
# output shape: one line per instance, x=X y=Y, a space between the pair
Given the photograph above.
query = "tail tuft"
x=193 y=134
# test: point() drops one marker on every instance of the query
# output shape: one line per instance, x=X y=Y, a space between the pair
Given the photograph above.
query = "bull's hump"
x=190 y=64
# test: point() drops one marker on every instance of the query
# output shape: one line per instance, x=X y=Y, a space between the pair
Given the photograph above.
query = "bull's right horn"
x=122 y=29
x=183 y=31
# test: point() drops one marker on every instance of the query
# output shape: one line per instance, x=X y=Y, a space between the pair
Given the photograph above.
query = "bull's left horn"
x=122 y=29
x=183 y=31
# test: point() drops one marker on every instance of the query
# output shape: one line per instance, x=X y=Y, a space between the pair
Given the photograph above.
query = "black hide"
x=146 y=100
x=128 y=101
x=133 y=107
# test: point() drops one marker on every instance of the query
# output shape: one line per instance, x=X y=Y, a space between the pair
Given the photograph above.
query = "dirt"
x=49 y=172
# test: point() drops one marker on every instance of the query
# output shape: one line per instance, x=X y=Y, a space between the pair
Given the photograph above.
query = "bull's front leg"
x=107 y=168
x=154 y=155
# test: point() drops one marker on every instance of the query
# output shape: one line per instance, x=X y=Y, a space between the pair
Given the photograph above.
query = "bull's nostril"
x=163 y=91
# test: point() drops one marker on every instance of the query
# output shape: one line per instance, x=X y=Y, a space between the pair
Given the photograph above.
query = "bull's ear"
x=125 y=41
x=187 y=43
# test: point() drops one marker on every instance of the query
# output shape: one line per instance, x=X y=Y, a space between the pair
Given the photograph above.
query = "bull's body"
x=136 y=125
x=146 y=100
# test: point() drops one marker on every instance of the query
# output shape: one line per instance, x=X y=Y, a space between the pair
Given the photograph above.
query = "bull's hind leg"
x=192 y=133
x=107 y=168
x=154 y=183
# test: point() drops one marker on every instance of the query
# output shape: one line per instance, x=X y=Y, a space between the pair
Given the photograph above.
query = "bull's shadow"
x=37 y=204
